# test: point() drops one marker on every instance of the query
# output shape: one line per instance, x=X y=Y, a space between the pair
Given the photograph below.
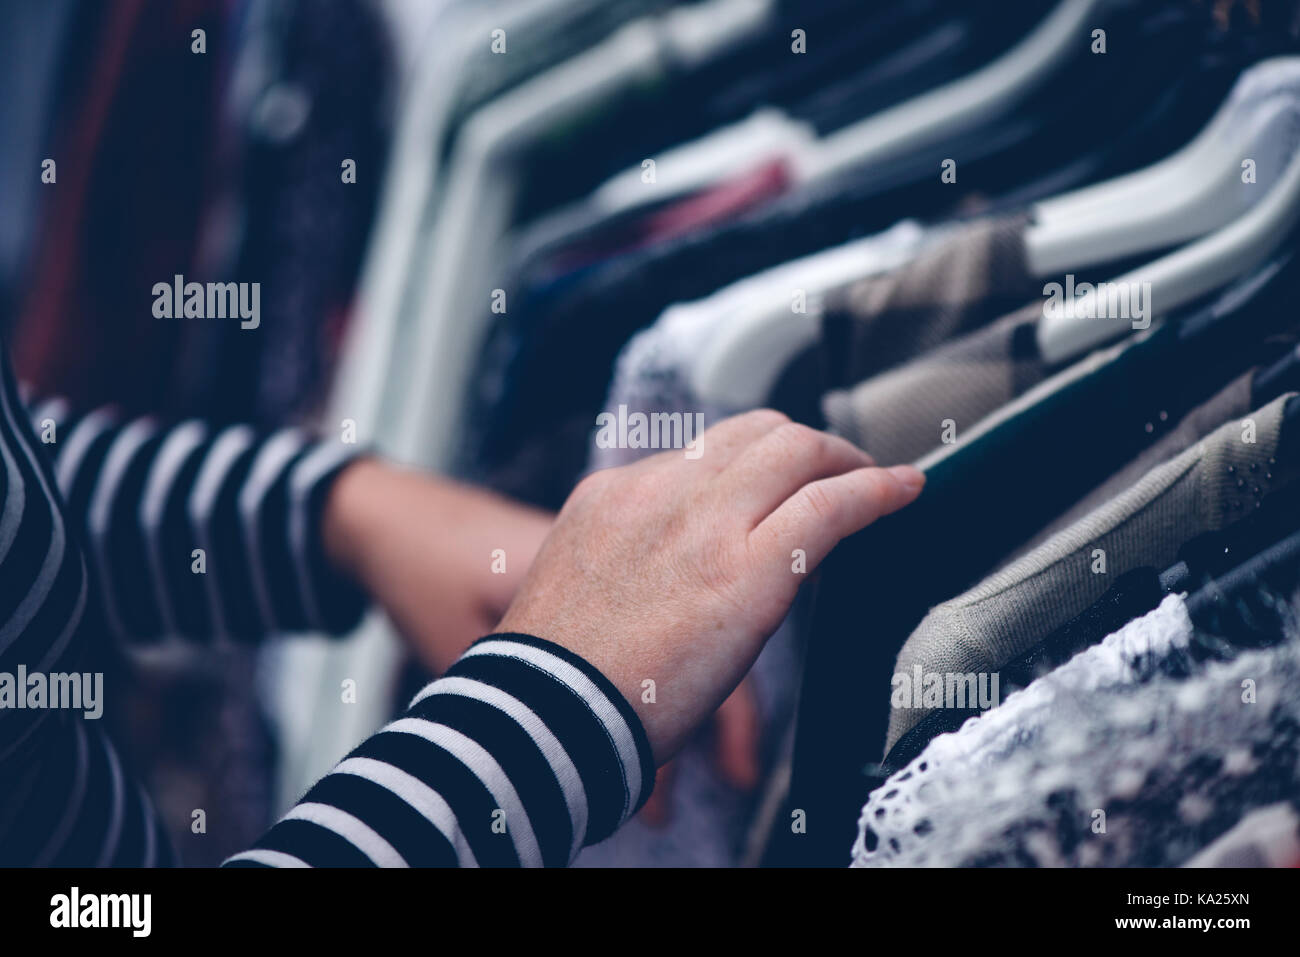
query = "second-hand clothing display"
x=877 y=269
x=1044 y=252
x=157 y=156
x=1217 y=482
x=91 y=531
x=1166 y=761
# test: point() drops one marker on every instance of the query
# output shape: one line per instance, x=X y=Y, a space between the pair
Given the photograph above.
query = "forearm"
x=520 y=755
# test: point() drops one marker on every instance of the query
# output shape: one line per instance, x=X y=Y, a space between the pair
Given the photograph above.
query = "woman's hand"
x=444 y=560
x=669 y=575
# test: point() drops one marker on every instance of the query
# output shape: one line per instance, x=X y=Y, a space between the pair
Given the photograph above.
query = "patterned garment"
x=100 y=524
x=1130 y=754
x=521 y=754
x=1217 y=482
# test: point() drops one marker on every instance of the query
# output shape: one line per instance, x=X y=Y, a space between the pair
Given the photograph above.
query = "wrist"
x=351 y=516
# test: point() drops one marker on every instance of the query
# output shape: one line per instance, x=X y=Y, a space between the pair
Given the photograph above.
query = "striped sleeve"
x=520 y=755
x=65 y=798
x=197 y=532
x=102 y=522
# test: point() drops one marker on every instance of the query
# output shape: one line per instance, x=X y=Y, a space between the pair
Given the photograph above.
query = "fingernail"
x=909 y=477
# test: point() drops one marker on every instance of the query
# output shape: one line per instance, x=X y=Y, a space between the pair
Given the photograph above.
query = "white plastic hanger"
x=751 y=346
x=706 y=161
x=962 y=105
x=1189 y=194
x=370 y=371
x=741 y=365
x=462 y=258
x=1182 y=276
x=399 y=400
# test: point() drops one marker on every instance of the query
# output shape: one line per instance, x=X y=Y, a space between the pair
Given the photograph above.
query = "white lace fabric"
x=1106 y=761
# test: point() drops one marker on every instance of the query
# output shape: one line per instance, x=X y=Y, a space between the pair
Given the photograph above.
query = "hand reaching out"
x=668 y=575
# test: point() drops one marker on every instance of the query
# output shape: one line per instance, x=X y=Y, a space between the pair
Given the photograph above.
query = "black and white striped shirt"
x=124 y=530
x=132 y=531
x=520 y=755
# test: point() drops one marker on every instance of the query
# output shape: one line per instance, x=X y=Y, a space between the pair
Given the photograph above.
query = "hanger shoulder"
x=959 y=106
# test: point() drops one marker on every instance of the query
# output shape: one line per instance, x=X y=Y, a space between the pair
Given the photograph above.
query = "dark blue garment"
x=979 y=504
x=580 y=324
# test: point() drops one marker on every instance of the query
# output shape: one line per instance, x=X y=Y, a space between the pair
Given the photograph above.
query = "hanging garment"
x=899 y=65
x=975 y=275
x=657 y=371
x=1210 y=564
x=725 y=200
x=309 y=86
x=702 y=92
x=1216 y=482
x=585 y=323
x=460 y=243
x=1134 y=594
x=985 y=495
x=1122 y=735
x=862 y=57
x=32 y=39
x=131 y=144
x=464 y=75
x=903 y=413
x=1232 y=403
x=967 y=273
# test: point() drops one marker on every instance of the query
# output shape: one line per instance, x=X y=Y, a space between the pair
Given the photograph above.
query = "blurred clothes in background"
x=223 y=166
x=211 y=166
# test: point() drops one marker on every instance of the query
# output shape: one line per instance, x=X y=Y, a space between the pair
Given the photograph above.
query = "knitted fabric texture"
x=1216 y=482
x=1231 y=403
x=900 y=415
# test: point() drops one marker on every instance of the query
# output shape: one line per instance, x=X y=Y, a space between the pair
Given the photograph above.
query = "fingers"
x=781 y=462
x=736 y=730
x=821 y=513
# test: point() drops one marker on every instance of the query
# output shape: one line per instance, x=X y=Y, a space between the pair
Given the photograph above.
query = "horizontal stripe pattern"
x=520 y=755
x=144 y=499
x=99 y=517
